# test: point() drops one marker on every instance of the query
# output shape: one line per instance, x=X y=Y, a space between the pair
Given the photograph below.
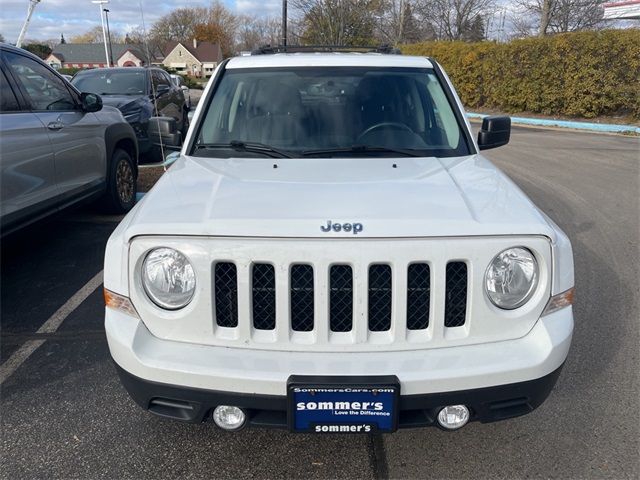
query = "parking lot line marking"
x=51 y=325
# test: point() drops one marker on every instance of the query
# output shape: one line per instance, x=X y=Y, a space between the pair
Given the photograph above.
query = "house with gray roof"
x=92 y=55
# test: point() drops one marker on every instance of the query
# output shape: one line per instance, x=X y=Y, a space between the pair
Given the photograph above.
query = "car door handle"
x=57 y=125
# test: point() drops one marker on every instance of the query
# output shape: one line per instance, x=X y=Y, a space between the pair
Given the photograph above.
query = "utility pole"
x=32 y=6
x=106 y=14
x=284 y=23
x=104 y=31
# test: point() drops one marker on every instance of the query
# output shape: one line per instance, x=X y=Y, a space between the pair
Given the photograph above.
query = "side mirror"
x=184 y=88
x=162 y=89
x=495 y=132
x=91 y=102
x=172 y=158
x=164 y=131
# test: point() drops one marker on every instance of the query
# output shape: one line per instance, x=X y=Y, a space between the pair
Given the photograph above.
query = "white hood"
x=262 y=197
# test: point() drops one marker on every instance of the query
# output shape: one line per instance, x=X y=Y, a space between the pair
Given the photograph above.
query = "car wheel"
x=120 y=196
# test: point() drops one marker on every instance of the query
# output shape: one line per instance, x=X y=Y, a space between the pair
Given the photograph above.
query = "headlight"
x=168 y=278
x=511 y=278
x=132 y=115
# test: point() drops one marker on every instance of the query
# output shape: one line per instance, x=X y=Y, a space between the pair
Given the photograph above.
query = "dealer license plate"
x=338 y=405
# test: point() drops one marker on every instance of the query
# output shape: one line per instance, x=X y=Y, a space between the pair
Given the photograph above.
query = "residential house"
x=196 y=59
x=92 y=55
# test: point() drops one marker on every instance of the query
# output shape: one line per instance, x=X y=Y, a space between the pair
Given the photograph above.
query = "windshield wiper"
x=364 y=149
x=247 y=147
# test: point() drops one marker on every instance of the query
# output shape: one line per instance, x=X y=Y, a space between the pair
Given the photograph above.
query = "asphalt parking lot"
x=65 y=415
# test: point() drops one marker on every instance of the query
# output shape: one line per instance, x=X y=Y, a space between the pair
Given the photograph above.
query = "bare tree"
x=338 y=22
x=178 y=25
x=557 y=16
x=398 y=23
x=456 y=19
x=218 y=25
x=522 y=25
x=545 y=17
x=254 y=32
x=94 y=35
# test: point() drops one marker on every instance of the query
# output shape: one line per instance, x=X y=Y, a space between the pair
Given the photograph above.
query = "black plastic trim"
x=454 y=106
x=207 y=104
x=193 y=405
x=117 y=132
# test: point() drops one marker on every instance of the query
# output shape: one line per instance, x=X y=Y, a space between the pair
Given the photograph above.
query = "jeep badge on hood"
x=356 y=228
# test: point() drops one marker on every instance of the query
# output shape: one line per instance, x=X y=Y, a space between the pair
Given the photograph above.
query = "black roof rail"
x=268 y=49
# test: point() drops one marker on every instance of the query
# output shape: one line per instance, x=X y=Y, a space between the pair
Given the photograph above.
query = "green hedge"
x=583 y=74
x=68 y=71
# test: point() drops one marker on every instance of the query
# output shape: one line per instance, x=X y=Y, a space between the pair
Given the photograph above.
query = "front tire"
x=120 y=196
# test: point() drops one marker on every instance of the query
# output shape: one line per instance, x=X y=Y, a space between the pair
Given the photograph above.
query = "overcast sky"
x=72 y=17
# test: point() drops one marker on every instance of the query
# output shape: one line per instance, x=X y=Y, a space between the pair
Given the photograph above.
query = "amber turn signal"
x=119 y=302
x=557 y=302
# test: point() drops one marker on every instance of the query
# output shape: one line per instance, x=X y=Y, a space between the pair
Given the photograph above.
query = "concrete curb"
x=547 y=122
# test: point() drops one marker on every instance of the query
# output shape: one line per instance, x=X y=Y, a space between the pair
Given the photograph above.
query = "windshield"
x=104 y=82
x=331 y=111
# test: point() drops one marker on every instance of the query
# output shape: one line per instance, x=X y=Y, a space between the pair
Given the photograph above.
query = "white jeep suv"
x=331 y=253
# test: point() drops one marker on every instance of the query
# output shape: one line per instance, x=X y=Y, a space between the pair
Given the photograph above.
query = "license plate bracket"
x=343 y=404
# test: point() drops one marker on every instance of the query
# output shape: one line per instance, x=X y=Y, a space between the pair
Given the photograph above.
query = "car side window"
x=8 y=100
x=159 y=79
x=167 y=79
x=44 y=90
x=154 y=80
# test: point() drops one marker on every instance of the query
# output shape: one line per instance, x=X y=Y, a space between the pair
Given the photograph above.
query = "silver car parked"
x=58 y=147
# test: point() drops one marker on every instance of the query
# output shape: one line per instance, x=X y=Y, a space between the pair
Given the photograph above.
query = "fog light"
x=228 y=417
x=453 y=417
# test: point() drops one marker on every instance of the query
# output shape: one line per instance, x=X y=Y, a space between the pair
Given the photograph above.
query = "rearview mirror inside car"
x=495 y=132
x=91 y=102
x=164 y=131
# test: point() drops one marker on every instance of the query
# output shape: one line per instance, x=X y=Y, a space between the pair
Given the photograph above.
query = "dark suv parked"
x=58 y=147
x=139 y=93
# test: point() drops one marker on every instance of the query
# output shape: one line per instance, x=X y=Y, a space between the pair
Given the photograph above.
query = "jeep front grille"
x=340 y=295
x=341 y=291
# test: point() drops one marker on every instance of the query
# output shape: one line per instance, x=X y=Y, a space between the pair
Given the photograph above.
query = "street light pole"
x=284 y=23
x=106 y=14
x=104 y=31
x=23 y=31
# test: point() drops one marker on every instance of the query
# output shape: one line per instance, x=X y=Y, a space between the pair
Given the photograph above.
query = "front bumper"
x=185 y=381
x=195 y=405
